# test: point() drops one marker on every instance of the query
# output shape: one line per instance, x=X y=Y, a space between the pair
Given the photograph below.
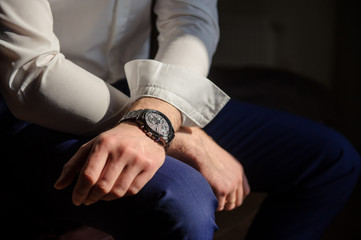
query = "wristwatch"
x=154 y=123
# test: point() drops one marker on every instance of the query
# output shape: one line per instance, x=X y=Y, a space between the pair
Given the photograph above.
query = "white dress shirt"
x=59 y=58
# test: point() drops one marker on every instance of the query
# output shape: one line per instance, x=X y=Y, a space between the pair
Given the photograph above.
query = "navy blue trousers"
x=307 y=169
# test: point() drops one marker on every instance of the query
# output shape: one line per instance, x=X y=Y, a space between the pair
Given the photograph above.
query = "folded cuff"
x=195 y=96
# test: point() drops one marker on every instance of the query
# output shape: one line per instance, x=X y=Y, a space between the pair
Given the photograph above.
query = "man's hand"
x=117 y=162
x=223 y=172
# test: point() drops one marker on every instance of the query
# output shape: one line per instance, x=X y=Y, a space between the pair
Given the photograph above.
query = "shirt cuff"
x=195 y=96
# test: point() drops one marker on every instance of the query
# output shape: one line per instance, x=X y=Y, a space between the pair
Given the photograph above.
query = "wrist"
x=153 y=123
x=172 y=113
x=188 y=146
x=132 y=129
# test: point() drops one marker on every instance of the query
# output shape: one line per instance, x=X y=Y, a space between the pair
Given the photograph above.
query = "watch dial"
x=157 y=123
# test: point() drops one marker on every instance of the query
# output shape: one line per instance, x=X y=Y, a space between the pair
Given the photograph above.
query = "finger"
x=246 y=187
x=139 y=182
x=89 y=174
x=123 y=182
x=221 y=203
x=240 y=196
x=110 y=174
x=231 y=200
x=72 y=167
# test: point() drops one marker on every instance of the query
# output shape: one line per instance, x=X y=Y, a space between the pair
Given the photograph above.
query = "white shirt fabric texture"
x=58 y=59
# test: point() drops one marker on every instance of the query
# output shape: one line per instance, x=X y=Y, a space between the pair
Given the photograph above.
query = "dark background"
x=301 y=56
x=320 y=40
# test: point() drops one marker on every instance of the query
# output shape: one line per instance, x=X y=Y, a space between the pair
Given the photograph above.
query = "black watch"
x=154 y=123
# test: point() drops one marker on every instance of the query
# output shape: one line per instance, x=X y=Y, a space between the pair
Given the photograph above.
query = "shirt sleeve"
x=188 y=37
x=40 y=85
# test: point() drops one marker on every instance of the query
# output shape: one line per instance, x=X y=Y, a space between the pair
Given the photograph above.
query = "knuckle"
x=67 y=167
x=147 y=163
x=88 y=177
x=118 y=191
x=117 y=194
x=129 y=151
x=246 y=191
x=133 y=190
x=139 y=160
x=101 y=139
x=228 y=184
x=239 y=180
x=222 y=193
x=106 y=140
x=101 y=187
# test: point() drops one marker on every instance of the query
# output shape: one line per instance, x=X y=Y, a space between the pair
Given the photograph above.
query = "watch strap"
x=133 y=115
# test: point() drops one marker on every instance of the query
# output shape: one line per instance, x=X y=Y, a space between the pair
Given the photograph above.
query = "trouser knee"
x=188 y=201
x=338 y=163
x=181 y=206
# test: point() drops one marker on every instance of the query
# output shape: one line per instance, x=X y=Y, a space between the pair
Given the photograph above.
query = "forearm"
x=189 y=146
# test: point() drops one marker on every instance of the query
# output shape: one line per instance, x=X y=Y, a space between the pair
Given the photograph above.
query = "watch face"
x=157 y=123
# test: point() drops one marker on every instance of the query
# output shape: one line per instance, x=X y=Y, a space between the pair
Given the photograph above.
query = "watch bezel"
x=170 y=127
x=139 y=117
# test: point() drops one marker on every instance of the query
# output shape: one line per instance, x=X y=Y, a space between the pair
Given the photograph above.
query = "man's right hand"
x=223 y=172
